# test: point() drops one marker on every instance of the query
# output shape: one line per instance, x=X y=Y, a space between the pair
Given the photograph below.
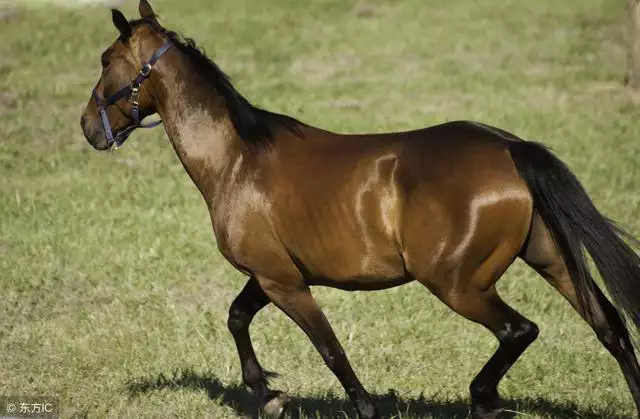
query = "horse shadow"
x=390 y=404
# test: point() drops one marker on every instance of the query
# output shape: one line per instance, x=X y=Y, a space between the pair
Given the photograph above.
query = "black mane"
x=253 y=124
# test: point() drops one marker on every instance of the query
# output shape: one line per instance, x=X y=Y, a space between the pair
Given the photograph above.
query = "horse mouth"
x=120 y=136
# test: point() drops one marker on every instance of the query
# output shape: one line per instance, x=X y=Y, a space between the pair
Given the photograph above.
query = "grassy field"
x=114 y=297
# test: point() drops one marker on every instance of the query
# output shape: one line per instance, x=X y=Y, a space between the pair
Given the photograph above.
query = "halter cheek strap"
x=130 y=91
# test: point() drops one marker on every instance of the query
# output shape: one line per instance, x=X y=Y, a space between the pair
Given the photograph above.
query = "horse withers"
x=450 y=206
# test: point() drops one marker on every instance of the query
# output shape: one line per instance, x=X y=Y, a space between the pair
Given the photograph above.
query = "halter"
x=131 y=91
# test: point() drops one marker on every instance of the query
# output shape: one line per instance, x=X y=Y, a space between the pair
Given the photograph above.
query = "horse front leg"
x=245 y=306
x=295 y=300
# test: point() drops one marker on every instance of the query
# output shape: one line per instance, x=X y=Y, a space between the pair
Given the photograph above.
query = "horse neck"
x=198 y=126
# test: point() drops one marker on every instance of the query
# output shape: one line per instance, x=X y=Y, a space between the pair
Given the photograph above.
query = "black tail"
x=576 y=225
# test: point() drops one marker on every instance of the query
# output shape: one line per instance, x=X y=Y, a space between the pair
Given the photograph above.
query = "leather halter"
x=131 y=91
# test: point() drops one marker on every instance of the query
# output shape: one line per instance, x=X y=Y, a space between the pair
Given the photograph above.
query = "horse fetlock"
x=485 y=401
x=253 y=375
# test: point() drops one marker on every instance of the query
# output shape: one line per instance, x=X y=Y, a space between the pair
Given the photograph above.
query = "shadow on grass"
x=390 y=405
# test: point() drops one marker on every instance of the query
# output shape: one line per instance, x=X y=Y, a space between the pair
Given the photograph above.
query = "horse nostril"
x=84 y=122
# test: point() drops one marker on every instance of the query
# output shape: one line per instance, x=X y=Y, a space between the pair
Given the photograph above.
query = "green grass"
x=114 y=297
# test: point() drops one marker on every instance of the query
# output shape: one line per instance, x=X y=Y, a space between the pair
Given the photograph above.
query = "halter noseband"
x=131 y=91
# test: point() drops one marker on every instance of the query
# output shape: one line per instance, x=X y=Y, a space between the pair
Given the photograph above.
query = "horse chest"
x=240 y=223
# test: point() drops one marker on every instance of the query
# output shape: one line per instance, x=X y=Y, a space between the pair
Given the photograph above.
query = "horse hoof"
x=492 y=411
x=274 y=408
x=484 y=414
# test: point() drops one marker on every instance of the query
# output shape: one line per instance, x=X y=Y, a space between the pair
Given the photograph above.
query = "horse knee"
x=238 y=319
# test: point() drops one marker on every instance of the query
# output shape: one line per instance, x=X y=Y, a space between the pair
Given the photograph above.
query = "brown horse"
x=450 y=206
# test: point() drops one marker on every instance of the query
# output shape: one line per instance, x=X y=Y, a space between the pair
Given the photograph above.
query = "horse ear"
x=146 y=12
x=121 y=23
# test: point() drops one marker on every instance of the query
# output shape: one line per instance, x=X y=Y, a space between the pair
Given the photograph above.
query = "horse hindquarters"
x=470 y=236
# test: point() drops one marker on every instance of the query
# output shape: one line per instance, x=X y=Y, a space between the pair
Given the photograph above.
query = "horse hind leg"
x=469 y=289
x=514 y=332
x=479 y=302
x=542 y=255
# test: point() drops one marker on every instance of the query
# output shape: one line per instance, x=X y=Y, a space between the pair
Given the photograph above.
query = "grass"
x=114 y=297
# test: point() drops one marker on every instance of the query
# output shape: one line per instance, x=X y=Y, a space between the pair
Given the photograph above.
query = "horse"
x=294 y=206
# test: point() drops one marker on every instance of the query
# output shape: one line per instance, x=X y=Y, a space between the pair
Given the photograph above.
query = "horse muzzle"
x=94 y=133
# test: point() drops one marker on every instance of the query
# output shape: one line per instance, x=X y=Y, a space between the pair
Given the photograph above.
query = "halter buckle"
x=145 y=70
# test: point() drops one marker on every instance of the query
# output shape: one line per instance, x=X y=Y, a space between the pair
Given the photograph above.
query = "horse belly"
x=355 y=264
x=344 y=232
x=356 y=248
